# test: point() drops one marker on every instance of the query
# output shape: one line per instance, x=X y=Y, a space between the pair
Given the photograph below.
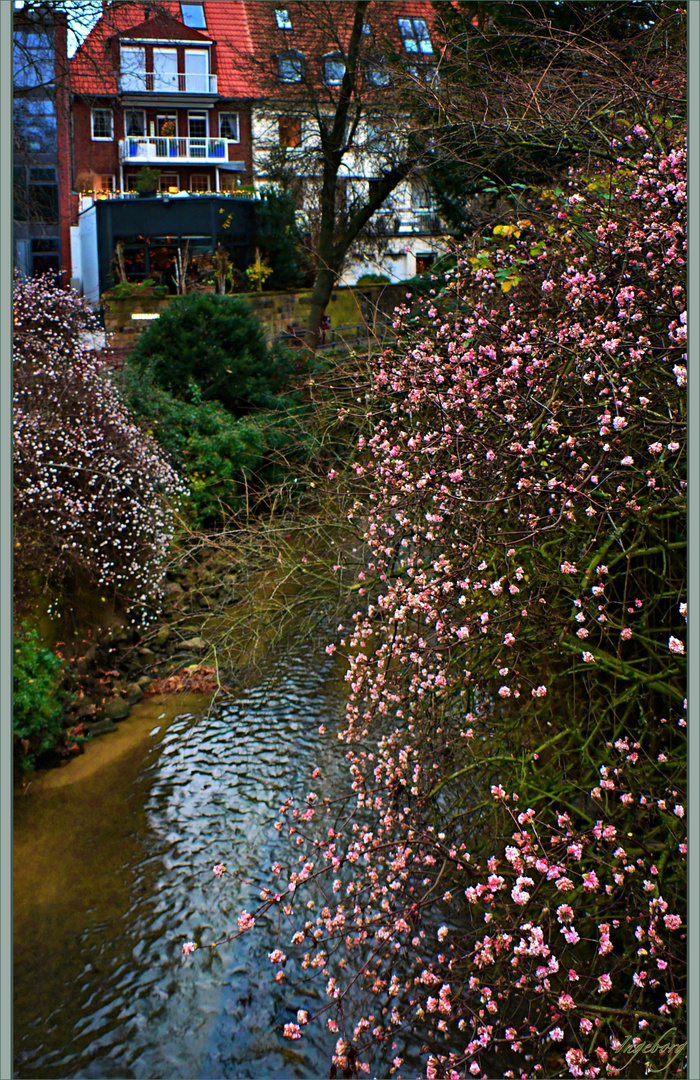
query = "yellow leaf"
x=506 y=286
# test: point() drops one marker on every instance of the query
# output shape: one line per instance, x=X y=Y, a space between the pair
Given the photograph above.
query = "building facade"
x=41 y=153
x=220 y=95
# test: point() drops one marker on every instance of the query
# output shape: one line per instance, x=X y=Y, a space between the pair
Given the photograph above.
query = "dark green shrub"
x=226 y=460
x=212 y=348
x=373 y=279
x=37 y=699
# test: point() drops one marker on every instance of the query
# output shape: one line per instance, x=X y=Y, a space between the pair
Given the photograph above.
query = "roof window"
x=333 y=69
x=290 y=66
x=283 y=20
x=415 y=36
x=193 y=15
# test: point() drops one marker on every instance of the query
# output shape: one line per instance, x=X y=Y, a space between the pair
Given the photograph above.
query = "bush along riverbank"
x=83 y=688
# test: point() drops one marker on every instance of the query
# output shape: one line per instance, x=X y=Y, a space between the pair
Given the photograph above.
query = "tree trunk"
x=326 y=278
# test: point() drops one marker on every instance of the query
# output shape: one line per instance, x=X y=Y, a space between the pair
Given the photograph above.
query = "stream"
x=113 y=859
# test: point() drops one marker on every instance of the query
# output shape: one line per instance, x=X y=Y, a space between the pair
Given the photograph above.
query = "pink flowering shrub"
x=93 y=495
x=506 y=886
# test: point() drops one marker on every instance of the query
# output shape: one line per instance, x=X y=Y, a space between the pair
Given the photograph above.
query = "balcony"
x=142 y=150
x=160 y=82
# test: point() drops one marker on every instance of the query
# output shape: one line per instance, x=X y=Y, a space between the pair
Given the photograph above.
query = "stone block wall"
x=371 y=306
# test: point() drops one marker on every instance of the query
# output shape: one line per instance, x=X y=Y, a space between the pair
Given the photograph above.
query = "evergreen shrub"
x=212 y=348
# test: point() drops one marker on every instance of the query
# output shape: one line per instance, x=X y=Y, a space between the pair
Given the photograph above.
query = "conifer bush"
x=212 y=348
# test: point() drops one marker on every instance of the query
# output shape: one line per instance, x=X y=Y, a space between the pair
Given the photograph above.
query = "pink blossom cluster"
x=506 y=881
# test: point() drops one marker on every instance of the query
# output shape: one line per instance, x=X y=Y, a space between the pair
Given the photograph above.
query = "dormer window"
x=333 y=69
x=290 y=66
x=377 y=73
x=283 y=20
x=415 y=36
x=193 y=15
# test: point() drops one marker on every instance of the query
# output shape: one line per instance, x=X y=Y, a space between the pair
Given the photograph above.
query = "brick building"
x=212 y=94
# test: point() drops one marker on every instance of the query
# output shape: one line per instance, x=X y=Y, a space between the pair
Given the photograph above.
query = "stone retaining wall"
x=371 y=306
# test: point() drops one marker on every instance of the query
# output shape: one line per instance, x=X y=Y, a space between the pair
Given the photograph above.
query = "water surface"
x=113 y=871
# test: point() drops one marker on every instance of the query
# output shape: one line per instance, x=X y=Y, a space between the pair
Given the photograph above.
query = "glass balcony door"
x=197 y=71
x=197 y=131
x=166 y=137
x=165 y=70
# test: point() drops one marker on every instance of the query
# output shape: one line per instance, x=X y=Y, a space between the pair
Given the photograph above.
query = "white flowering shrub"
x=94 y=496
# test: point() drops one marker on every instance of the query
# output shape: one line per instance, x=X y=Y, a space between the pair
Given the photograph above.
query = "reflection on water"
x=113 y=871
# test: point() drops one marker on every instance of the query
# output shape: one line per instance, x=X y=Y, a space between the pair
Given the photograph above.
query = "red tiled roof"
x=246 y=38
x=164 y=26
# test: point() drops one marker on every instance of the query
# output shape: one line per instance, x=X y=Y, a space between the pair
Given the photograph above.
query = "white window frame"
x=102 y=138
x=282 y=19
x=197 y=82
x=237 y=126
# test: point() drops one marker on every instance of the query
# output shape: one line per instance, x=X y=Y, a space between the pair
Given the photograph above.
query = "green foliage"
x=124 y=289
x=147 y=180
x=280 y=241
x=37 y=699
x=373 y=279
x=211 y=348
x=227 y=461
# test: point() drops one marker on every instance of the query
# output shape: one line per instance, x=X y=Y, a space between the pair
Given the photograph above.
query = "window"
x=35 y=125
x=43 y=197
x=366 y=28
x=199 y=183
x=424 y=72
x=132 y=60
x=166 y=126
x=290 y=132
x=424 y=262
x=33 y=60
x=283 y=20
x=104 y=183
x=45 y=254
x=333 y=69
x=193 y=15
x=415 y=36
x=377 y=74
x=169 y=182
x=290 y=66
x=101 y=124
x=420 y=196
x=229 y=126
x=134 y=123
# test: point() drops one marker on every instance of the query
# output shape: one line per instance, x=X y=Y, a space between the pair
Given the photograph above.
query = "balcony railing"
x=158 y=82
x=143 y=149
